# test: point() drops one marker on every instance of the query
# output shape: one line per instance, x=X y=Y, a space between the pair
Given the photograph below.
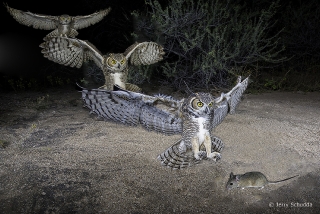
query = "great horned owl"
x=73 y=52
x=194 y=118
x=64 y=25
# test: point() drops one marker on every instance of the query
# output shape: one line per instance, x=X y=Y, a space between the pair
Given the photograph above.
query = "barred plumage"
x=132 y=87
x=194 y=118
x=173 y=158
x=131 y=110
x=73 y=52
x=235 y=96
x=231 y=101
x=63 y=25
x=145 y=53
x=62 y=51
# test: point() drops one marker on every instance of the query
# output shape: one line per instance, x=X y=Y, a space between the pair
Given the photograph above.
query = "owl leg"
x=196 y=148
x=208 y=144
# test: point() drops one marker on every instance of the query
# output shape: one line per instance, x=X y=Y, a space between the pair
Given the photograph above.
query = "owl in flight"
x=194 y=118
x=63 y=25
x=73 y=52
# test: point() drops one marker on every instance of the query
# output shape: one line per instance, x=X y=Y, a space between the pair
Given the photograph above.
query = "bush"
x=208 y=42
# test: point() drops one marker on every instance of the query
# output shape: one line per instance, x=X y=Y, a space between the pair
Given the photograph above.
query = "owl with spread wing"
x=73 y=52
x=64 y=25
x=194 y=118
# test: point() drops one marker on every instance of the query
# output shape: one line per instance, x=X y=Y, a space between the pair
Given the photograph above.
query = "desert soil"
x=56 y=158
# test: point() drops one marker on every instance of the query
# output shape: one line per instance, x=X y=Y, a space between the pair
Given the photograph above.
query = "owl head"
x=65 y=19
x=116 y=62
x=198 y=104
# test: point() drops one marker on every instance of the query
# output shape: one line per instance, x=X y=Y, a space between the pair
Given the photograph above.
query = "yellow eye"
x=199 y=104
x=123 y=61
x=111 y=61
x=210 y=104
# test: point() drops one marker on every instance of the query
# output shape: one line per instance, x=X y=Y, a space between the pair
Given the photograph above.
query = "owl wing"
x=37 y=21
x=145 y=53
x=173 y=158
x=80 y=22
x=227 y=103
x=131 y=108
x=70 y=52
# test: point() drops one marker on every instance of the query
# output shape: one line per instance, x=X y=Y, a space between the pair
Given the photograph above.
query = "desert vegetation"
x=207 y=44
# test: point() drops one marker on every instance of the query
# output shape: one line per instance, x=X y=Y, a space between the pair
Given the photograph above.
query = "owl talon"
x=200 y=155
x=215 y=156
x=196 y=156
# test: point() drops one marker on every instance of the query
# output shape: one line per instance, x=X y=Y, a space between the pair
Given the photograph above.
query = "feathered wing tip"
x=227 y=103
x=65 y=51
x=173 y=158
x=145 y=53
x=85 y=21
x=235 y=96
x=37 y=21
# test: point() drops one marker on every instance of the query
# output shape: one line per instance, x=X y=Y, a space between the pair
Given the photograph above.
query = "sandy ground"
x=56 y=158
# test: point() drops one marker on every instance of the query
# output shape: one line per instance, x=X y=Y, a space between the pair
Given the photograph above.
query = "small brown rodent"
x=250 y=179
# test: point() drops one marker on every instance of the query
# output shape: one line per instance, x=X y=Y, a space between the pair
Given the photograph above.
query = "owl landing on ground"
x=63 y=25
x=73 y=52
x=194 y=118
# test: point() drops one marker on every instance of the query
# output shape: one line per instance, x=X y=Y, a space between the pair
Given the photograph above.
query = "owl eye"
x=199 y=104
x=111 y=61
x=123 y=61
x=210 y=104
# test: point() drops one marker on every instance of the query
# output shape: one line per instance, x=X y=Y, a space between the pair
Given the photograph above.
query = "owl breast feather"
x=203 y=130
x=117 y=79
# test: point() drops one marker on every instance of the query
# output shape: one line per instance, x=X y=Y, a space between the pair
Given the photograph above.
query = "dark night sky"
x=19 y=44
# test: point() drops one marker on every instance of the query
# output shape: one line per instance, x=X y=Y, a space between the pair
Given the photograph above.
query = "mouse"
x=250 y=179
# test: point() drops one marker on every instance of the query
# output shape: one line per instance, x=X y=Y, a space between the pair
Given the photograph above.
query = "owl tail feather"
x=217 y=144
x=175 y=159
x=55 y=33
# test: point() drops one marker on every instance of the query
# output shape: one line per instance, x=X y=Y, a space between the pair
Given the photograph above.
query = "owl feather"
x=130 y=108
x=173 y=158
x=63 y=25
x=73 y=52
x=135 y=108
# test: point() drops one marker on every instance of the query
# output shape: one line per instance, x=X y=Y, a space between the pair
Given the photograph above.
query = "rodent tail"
x=282 y=180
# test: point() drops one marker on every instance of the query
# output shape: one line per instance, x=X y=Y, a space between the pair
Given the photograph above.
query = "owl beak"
x=207 y=110
x=119 y=66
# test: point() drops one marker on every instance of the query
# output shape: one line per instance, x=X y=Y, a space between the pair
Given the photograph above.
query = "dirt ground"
x=56 y=158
